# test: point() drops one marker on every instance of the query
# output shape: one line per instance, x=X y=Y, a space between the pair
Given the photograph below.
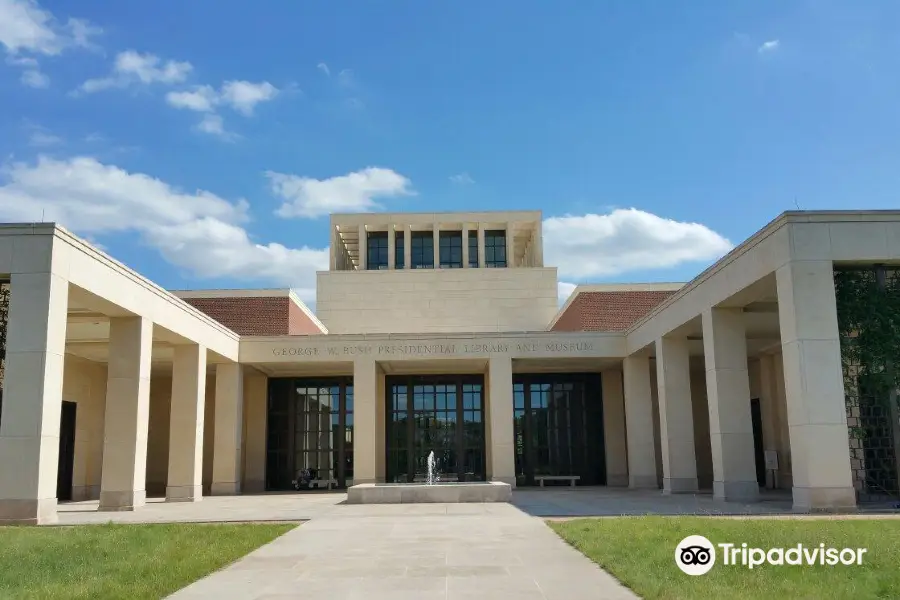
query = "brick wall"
x=257 y=316
x=608 y=311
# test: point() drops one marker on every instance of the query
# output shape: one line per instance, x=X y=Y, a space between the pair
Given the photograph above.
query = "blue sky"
x=157 y=129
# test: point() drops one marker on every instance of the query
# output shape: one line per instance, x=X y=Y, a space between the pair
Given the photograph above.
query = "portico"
x=732 y=383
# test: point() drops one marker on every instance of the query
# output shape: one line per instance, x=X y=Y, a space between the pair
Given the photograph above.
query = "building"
x=442 y=332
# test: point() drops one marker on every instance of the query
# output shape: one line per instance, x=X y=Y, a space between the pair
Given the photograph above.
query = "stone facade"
x=741 y=363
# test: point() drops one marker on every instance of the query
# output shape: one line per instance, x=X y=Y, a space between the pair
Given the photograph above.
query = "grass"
x=640 y=552
x=120 y=561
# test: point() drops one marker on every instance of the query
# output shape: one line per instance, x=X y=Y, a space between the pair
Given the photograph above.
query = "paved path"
x=415 y=551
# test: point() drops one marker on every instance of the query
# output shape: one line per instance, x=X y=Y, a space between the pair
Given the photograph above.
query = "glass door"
x=439 y=414
x=309 y=434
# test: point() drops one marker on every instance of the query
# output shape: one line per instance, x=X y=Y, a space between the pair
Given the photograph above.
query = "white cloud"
x=243 y=96
x=324 y=68
x=214 y=125
x=346 y=78
x=202 y=98
x=354 y=192
x=42 y=138
x=769 y=46
x=26 y=27
x=462 y=179
x=625 y=240
x=34 y=79
x=132 y=67
x=197 y=231
x=564 y=290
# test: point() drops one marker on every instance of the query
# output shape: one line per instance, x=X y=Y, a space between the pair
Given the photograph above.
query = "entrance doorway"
x=558 y=420
x=443 y=414
x=309 y=433
x=759 y=454
x=66 y=466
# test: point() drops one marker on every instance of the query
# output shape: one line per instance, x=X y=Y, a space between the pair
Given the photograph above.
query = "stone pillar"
x=363 y=249
x=255 y=386
x=481 y=245
x=814 y=387
x=32 y=398
x=614 y=428
x=500 y=423
x=639 y=423
x=465 y=246
x=436 y=240
x=728 y=399
x=392 y=247
x=127 y=414
x=229 y=430
x=676 y=419
x=510 y=246
x=407 y=247
x=185 y=476
x=365 y=417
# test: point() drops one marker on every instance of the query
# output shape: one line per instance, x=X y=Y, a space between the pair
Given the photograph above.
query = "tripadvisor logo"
x=696 y=555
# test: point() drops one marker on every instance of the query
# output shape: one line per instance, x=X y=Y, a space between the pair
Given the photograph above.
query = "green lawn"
x=640 y=552
x=120 y=561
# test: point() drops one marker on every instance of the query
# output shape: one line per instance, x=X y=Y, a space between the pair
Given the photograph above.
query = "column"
x=185 y=475
x=392 y=247
x=510 y=246
x=255 y=385
x=363 y=249
x=32 y=398
x=407 y=247
x=639 y=423
x=614 y=428
x=481 y=245
x=365 y=415
x=465 y=246
x=436 y=233
x=728 y=398
x=500 y=420
x=676 y=420
x=228 y=432
x=814 y=387
x=127 y=414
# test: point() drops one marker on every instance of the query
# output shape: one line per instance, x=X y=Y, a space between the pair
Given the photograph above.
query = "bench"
x=570 y=478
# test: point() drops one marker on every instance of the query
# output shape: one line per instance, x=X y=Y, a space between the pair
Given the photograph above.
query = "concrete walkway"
x=416 y=551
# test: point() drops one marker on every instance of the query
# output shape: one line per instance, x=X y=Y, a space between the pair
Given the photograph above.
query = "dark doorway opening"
x=309 y=433
x=756 y=418
x=66 y=467
x=443 y=414
x=559 y=427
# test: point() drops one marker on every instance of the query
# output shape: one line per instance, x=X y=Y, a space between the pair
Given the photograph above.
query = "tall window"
x=495 y=248
x=398 y=250
x=473 y=249
x=451 y=249
x=422 y=250
x=377 y=253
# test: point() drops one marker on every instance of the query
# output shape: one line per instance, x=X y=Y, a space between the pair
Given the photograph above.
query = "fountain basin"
x=413 y=493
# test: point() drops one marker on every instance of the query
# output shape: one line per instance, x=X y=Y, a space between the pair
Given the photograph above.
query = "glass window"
x=377 y=251
x=495 y=248
x=473 y=248
x=398 y=250
x=422 y=250
x=451 y=249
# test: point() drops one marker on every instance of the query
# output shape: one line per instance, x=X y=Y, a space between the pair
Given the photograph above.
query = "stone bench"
x=570 y=478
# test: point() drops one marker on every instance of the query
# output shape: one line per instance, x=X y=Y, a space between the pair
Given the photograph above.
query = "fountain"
x=432 y=476
x=432 y=490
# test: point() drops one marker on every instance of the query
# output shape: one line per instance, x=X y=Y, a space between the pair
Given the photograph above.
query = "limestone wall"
x=437 y=300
